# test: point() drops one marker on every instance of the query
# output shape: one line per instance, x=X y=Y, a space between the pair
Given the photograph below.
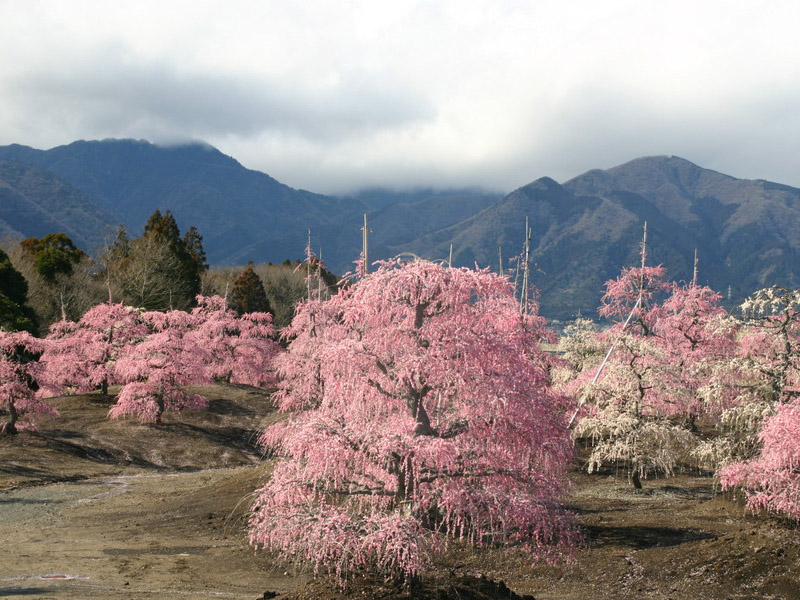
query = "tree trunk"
x=413 y=583
x=10 y=426
x=161 y=405
x=423 y=421
x=691 y=423
x=400 y=492
x=634 y=479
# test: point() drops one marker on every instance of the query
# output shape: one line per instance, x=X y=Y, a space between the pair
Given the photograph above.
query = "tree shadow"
x=222 y=406
x=28 y=501
x=640 y=537
x=239 y=438
x=38 y=474
x=67 y=434
x=582 y=510
x=56 y=441
x=83 y=452
x=6 y=592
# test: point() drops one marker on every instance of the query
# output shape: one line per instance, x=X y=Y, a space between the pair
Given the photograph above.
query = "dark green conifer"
x=14 y=314
x=248 y=294
x=193 y=242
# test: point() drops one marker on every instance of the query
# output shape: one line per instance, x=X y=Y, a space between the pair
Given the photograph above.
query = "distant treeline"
x=49 y=279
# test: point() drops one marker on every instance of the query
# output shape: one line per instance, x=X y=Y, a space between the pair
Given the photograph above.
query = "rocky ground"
x=91 y=508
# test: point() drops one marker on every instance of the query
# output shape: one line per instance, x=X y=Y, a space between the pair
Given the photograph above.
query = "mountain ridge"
x=585 y=229
x=33 y=203
x=229 y=204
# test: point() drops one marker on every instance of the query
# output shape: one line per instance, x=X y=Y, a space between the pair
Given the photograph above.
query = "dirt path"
x=94 y=509
x=140 y=536
x=172 y=535
x=676 y=539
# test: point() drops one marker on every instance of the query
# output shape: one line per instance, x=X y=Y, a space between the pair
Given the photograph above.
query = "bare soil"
x=91 y=508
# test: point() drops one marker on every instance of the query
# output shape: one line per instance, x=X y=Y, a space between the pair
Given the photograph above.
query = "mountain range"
x=584 y=231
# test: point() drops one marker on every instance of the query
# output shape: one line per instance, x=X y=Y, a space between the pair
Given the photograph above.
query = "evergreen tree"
x=163 y=228
x=14 y=314
x=54 y=254
x=61 y=277
x=12 y=284
x=193 y=242
x=160 y=270
x=248 y=294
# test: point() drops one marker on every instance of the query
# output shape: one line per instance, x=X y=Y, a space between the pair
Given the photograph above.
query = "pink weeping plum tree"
x=256 y=351
x=631 y=297
x=420 y=410
x=771 y=480
x=770 y=349
x=81 y=356
x=240 y=349
x=696 y=336
x=686 y=320
x=19 y=373
x=155 y=369
x=642 y=403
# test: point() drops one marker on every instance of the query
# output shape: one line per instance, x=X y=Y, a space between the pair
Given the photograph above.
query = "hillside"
x=585 y=230
x=33 y=202
x=234 y=208
x=747 y=232
x=242 y=214
x=394 y=219
x=94 y=509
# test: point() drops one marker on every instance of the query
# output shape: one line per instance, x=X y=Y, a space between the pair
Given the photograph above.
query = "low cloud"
x=334 y=97
x=110 y=96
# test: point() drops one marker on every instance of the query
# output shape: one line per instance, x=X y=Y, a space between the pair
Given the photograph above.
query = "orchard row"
x=686 y=383
x=150 y=354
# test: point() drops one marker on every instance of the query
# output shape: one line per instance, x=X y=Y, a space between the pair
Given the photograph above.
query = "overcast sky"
x=333 y=95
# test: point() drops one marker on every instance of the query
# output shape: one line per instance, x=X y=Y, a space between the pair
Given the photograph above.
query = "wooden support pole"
x=365 y=244
x=500 y=260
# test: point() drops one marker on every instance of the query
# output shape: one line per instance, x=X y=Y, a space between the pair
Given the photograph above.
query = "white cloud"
x=331 y=95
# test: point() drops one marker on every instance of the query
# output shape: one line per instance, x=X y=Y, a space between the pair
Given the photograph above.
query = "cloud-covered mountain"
x=234 y=208
x=584 y=231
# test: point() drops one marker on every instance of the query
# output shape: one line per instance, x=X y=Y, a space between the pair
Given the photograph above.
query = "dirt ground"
x=91 y=508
